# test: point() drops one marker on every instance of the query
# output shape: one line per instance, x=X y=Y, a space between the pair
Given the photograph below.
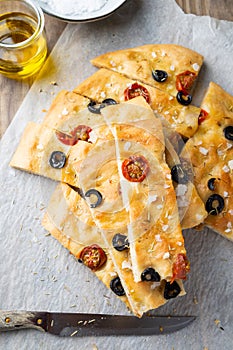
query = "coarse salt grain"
x=158 y=238
x=65 y=111
x=153 y=54
x=172 y=68
x=40 y=147
x=225 y=194
x=203 y=150
x=103 y=94
x=165 y=227
x=230 y=164
x=181 y=190
x=226 y=169
x=166 y=255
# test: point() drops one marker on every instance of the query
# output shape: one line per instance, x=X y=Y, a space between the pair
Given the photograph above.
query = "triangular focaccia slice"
x=169 y=67
x=153 y=226
x=71 y=137
x=211 y=153
x=106 y=84
x=69 y=220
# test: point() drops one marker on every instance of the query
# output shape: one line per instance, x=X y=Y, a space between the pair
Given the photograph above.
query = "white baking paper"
x=36 y=272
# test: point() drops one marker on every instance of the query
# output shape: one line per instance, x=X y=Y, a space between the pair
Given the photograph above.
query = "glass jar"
x=23 y=47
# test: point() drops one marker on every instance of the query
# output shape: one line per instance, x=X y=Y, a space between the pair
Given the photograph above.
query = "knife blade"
x=84 y=324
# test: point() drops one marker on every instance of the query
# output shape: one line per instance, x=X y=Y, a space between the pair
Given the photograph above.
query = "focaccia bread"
x=106 y=84
x=41 y=152
x=211 y=153
x=151 y=214
x=69 y=220
x=169 y=67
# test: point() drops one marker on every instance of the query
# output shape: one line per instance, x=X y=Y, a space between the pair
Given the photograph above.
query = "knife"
x=82 y=324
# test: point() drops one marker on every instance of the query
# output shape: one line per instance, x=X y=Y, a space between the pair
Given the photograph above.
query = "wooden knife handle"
x=16 y=320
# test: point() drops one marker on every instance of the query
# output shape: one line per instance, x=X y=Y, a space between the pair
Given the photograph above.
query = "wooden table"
x=13 y=92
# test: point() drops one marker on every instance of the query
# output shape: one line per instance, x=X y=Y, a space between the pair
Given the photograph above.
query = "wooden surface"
x=13 y=92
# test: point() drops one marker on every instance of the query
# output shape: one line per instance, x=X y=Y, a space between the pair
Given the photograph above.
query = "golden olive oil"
x=23 y=48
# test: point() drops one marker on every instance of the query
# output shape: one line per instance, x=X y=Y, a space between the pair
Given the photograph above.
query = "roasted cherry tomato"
x=135 y=168
x=180 y=267
x=81 y=132
x=136 y=90
x=202 y=116
x=184 y=81
x=93 y=256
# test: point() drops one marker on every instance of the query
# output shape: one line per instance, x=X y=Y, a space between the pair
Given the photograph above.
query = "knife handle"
x=16 y=320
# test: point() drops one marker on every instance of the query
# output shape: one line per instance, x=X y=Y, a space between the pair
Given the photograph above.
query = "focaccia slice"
x=70 y=138
x=169 y=67
x=69 y=220
x=211 y=153
x=106 y=84
x=154 y=230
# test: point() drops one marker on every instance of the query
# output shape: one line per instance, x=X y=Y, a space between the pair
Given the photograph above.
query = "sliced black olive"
x=210 y=183
x=98 y=195
x=108 y=102
x=150 y=275
x=116 y=286
x=120 y=242
x=159 y=75
x=179 y=175
x=171 y=290
x=228 y=133
x=57 y=160
x=93 y=107
x=183 y=99
x=214 y=204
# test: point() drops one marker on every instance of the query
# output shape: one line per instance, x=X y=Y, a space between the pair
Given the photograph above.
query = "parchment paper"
x=36 y=273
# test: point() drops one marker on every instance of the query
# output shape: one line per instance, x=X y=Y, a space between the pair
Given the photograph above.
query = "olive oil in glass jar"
x=23 y=47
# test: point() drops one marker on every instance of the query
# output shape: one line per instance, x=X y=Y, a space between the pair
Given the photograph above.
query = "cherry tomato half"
x=180 y=267
x=184 y=81
x=135 y=90
x=135 y=168
x=81 y=132
x=202 y=116
x=93 y=256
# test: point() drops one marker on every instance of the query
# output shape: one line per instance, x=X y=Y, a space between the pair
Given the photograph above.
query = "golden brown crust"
x=106 y=84
x=65 y=106
x=212 y=154
x=138 y=63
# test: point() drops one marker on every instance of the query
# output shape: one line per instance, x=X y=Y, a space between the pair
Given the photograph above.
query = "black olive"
x=228 y=133
x=214 y=204
x=116 y=286
x=159 y=75
x=108 y=102
x=92 y=191
x=210 y=183
x=150 y=275
x=183 y=99
x=57 y=160
x=179 y=175
x=93 y=107
x=120 y=242
x=171 y=290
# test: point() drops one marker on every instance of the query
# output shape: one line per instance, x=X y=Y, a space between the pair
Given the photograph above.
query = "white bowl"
x=106 y=10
